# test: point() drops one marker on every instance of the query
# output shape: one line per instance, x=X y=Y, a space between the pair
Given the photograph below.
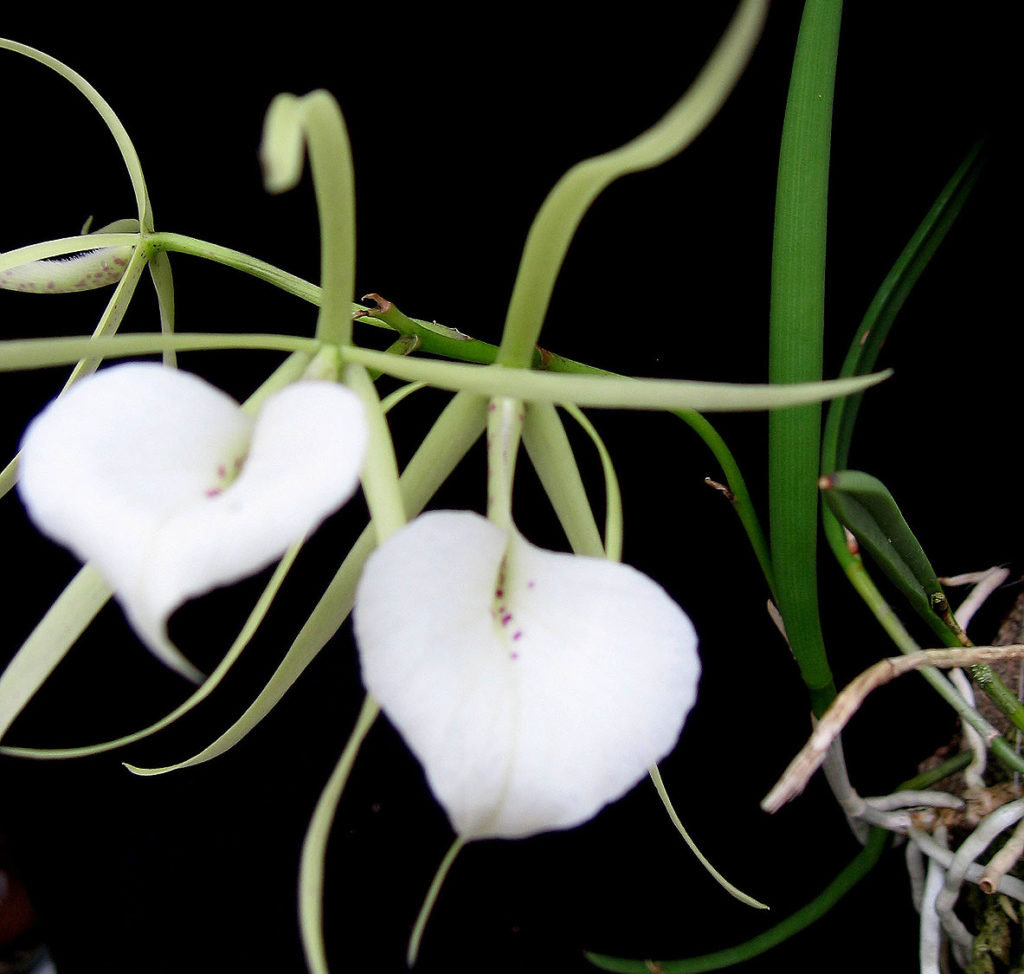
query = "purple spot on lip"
x=514 y=656
x=516 y=635
x=498 y=593
x=506 y=618
x=530 y=583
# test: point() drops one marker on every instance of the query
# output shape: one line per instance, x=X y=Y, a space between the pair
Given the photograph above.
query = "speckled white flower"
x=535 y=687
x=171 y=490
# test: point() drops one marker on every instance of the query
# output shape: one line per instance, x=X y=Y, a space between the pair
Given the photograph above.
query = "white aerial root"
x=894 y=812
x=931 y=926
x=973 y=846
x=846 y=704
x=915 y=860
x=1004 y=860
x=1008 y=885
x=974 y=773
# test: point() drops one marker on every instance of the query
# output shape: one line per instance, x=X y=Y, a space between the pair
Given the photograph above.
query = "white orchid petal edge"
x=535 y=687
x=170 y=489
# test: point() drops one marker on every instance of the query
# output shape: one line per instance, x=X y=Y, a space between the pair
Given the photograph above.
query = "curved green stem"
x=556 y=222
x=315 y=120
x=113 y=123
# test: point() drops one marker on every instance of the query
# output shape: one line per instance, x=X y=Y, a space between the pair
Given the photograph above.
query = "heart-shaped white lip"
x=535 y=687
x=171 y=489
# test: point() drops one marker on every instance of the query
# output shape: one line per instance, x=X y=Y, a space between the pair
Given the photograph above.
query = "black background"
x=458 y=129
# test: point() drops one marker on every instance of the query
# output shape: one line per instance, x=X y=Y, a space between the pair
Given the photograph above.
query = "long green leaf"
x=796 y=337
x=889 y=299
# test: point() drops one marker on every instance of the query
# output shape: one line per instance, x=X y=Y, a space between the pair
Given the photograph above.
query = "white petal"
x=135 y=468
x=535 y=687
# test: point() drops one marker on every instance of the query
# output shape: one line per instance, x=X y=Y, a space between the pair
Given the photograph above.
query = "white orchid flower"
x=170 y=489
x=535 y=687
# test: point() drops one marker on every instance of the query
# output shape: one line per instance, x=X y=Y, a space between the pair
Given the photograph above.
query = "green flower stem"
x=180 y=243
x=504 y=428
x=796 y=336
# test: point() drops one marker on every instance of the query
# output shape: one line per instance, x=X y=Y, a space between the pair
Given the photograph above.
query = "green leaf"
x=889 y=299
x=864 y=505
x=796 y=336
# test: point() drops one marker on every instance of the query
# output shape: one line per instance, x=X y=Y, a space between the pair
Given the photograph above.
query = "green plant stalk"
x=796 y=337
